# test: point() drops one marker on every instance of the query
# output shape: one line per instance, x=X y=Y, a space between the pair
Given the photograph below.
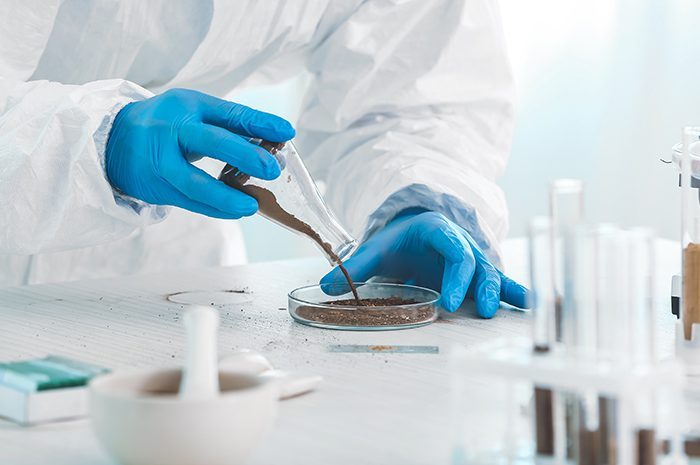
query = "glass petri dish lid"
x=389 y=306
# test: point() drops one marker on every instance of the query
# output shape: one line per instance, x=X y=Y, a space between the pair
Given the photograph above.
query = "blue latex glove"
x=429 y=250
x=153 y=142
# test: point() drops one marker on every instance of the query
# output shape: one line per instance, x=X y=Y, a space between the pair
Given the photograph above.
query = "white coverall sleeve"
x=54 y=194
x=412 y=107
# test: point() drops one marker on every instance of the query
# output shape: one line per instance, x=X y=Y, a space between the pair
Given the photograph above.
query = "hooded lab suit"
x=410 y=104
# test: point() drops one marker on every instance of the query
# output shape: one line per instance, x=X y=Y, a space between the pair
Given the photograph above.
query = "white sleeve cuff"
x=101 y=135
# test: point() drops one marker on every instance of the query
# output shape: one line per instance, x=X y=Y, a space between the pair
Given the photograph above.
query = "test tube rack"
x=609 y=399
x=576 y=375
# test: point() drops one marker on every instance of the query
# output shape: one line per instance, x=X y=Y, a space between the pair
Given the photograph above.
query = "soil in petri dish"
x=373 y=312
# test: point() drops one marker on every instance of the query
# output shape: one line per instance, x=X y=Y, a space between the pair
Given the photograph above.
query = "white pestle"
x=200 y=374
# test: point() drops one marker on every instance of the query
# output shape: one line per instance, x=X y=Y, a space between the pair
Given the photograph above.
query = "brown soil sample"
x=588 y=447
x=607 y=408
x=691 y=446
x=691 y=288
x=544 y=421
x=373 y=312
x=544 y=414
x=646 y=447
x=599 y=446
x=270 y=208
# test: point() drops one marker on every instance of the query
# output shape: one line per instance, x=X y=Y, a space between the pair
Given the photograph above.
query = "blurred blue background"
x=604 y=87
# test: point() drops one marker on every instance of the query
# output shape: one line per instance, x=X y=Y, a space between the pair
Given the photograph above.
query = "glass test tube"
x=542 y=285
x=584 y=273
x=585 y=290
x=612 y=292
x=642 y=336
x=641 y=322
x=690 y=227
x=566 y=203
x=587 y=418
x=610 y=285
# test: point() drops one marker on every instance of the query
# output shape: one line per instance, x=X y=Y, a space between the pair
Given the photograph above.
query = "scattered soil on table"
x=373 y=312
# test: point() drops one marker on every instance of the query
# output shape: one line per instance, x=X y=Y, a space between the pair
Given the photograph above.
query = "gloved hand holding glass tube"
x=153 y=142
x=427 y=249
x=149 y=154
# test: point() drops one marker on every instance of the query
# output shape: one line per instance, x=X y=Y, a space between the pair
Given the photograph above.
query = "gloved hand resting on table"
x=429 y=250
x=153 y=142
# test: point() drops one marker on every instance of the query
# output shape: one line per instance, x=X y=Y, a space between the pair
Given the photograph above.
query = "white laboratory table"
x=372 y=408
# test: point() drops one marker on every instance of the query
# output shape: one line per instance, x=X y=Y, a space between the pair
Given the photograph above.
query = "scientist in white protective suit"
x=104 y=105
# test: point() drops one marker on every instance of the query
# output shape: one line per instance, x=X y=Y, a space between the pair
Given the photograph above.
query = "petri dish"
x=393 y=306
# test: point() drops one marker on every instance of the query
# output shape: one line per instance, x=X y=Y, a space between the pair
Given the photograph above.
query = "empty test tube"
x=611 y=283
x=566 y=204
x=641 y=322
x=585 y=271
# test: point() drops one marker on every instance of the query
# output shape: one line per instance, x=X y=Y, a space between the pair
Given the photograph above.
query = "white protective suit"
x=410 y=105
